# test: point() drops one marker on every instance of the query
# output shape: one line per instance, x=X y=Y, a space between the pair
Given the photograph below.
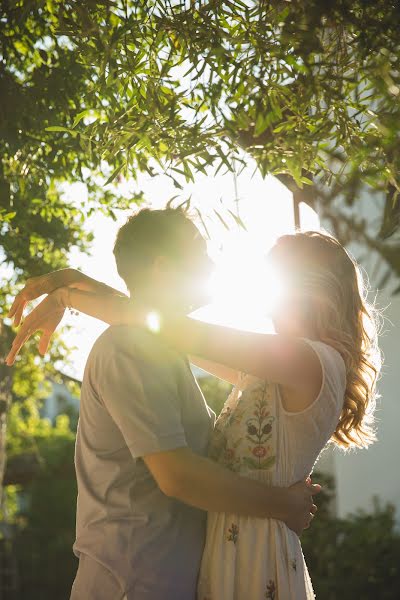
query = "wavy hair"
x=329 y=287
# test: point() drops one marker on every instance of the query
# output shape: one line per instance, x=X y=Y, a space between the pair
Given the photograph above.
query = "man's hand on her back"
x=299 y=508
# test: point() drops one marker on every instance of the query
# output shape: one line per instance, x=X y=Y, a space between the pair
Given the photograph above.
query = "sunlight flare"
x=244 y=287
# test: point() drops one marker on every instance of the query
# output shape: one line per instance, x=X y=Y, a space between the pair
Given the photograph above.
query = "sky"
x=240 y=284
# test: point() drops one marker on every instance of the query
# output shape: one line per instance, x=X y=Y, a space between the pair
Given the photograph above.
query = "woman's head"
x=325 y=299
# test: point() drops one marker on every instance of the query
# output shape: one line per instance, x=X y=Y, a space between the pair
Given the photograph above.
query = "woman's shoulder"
x=331 y=361
x=332 y=388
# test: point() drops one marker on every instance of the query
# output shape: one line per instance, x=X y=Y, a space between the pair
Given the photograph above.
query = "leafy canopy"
x=309 y=90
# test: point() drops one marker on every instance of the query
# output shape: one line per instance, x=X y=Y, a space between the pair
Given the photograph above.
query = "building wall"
x=362 y=474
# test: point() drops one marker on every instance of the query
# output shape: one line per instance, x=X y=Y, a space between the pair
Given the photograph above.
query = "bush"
x=353 y=558
x=42 y=507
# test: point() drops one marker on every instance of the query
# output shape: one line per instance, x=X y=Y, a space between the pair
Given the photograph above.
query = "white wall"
x=363 y=474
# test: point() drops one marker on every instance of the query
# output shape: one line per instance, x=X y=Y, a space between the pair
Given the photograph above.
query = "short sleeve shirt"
x=138 y=397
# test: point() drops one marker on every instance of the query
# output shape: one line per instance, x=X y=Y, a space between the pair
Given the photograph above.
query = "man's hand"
x=298 y=506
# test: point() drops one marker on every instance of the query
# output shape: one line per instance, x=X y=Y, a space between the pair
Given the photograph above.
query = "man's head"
x=162 y=258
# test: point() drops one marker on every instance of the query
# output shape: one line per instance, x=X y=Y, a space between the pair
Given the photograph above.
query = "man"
x=144 y=482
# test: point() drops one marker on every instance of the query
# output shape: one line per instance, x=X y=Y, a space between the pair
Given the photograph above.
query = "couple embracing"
x=173 y=505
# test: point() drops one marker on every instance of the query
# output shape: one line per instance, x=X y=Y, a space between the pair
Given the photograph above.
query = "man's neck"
x=155 y=301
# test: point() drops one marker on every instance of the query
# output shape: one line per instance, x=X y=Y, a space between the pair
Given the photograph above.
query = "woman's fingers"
x=45 y=317
x=17 y=308
x=33 y=288
x=44 y=342
x=20 y=339
x=19 y=312
x=13 y=308
x=27 y=329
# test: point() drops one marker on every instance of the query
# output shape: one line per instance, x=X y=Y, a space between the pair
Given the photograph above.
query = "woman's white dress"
x=246 y=558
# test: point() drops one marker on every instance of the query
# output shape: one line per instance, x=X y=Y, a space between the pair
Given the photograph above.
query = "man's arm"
x=204 y=484
x=139 y=389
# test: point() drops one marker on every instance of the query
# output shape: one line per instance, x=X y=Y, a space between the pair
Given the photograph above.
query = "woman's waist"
x=265 y=537
x=270 y=477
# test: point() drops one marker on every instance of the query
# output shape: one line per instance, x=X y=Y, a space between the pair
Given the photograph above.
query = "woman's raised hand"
x=45 y=317
x=36 y=287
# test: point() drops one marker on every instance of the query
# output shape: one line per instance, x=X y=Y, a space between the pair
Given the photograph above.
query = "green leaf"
x=58 y=128
x=7 y=216
x=238 y=220
x=222 y=220
x=262 y=123
x=85 y=113
x=114 y=174
x=203 y=223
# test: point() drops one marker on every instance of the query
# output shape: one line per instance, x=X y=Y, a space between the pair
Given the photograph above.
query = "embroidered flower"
x=293 y=564
x=245 y=418
x=233 y=532
x=252 y=429
x=259 y=451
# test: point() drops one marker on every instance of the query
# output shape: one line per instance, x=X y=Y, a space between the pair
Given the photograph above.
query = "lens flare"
x=244 y=287
x=153 y=322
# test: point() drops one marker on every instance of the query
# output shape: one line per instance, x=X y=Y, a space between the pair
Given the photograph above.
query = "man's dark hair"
x=148 y=234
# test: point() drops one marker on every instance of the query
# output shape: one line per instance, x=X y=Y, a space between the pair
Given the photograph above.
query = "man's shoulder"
x=116 y=337
x=137 y=342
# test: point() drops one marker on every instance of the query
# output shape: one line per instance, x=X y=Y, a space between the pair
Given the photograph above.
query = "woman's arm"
x=220 y=371
x=47 y=315
x=48 y=283
x=290 y=362
x=112 y=308
x=285 y=360
x=83 y=282
x=220 y=350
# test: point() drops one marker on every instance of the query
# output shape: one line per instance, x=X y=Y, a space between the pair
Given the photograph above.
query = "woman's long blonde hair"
x=329 y=289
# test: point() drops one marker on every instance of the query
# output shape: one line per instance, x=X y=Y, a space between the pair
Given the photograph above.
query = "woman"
x=312 y=382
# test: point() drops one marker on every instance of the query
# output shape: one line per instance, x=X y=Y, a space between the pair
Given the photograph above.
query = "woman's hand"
x=45 y=317
x=37 y=286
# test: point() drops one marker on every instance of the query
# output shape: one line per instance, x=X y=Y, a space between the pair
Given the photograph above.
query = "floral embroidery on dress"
x=271 y=590
x=233 y=532
x=259 y=432
x=227 y=444
x=219 y=449
x=293 y=564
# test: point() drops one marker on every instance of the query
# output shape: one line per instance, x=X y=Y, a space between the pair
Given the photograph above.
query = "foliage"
x=44 y=544
x=310 y=90
x=42 y=82
x=356 y=557
x=43 y=510
x=215 y=392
